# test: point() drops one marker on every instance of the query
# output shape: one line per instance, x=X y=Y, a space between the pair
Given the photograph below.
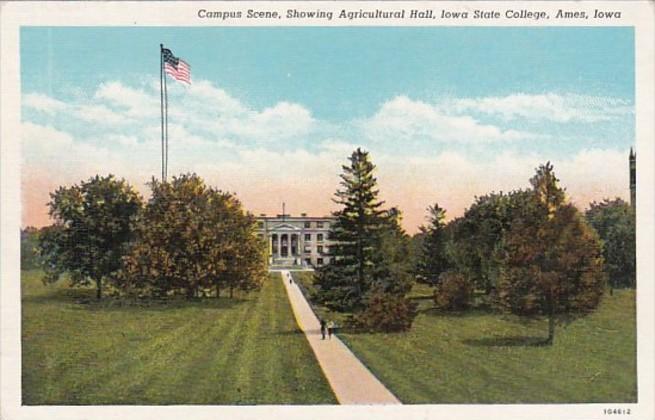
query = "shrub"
x=386 y=312
x=454 y=291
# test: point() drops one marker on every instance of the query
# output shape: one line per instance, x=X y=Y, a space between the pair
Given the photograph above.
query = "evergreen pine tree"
x=355 y=234
x=433 y=260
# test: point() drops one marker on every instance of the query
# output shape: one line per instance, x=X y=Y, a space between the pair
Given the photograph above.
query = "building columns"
x=279 y=245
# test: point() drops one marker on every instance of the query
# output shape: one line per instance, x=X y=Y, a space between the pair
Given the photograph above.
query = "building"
x=300 y=241
x=633 y=179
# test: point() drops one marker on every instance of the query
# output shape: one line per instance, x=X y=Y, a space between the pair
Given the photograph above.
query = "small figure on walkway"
x=290 y=278
x=322 y=329
x=330 y=328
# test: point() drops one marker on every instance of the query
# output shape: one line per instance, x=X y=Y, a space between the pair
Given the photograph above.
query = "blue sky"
x=462 y=98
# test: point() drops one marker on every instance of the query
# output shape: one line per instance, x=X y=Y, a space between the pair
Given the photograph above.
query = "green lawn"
x=241 y=351
x=481 y=357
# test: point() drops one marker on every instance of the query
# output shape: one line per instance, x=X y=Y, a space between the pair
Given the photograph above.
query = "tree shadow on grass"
x=510 y=341
x=433 y=311
x=290 y=332
x=84 y=299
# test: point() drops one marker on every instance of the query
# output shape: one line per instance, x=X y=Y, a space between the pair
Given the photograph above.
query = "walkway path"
x=350 y=380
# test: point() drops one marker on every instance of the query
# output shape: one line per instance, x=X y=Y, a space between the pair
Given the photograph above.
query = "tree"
x=392 y=263
x=191 y=239
x=29 y=248
x=94 y=224
x=552 y=263
x=614 y=220
x=477 y=235
x=454 y=291
x=387 y=312
x=343 y=283
x=433 y=260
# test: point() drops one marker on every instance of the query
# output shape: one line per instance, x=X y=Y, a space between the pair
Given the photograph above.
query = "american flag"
x=177 y=68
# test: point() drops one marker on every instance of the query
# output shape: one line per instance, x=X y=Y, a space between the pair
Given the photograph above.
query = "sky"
x=272 y=114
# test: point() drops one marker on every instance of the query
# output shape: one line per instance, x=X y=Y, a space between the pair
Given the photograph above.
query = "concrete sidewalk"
x=350 y=380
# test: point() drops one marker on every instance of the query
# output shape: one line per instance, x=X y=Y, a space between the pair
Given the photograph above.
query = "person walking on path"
x=290 y=279
x=330 y=328
x=322 y=329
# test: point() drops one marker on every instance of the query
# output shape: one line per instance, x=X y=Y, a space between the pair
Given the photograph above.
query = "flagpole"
x=166 y=128
x=161 y=94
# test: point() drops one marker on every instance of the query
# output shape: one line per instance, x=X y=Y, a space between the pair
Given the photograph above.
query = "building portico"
x=296 y=240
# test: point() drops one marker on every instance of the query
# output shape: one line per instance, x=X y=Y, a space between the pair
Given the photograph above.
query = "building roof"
x=294 y=218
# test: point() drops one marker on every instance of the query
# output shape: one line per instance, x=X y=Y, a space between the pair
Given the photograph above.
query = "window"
x=260 y=225
x=308 y=224
x=308 y=261
x=307 y=250
x=319 y=249
x=319 y=237
x=319 y=261
x=308 y=236
x=319 y=225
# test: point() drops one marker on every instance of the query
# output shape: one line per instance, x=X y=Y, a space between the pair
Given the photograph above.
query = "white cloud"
x=100 y=114
x=43 y=103
x=281 y=121
x=233 y=145
x=549 y=106
x=404 y=119
x=133 y=102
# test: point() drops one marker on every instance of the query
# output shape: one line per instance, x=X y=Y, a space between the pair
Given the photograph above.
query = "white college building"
x=296 y=240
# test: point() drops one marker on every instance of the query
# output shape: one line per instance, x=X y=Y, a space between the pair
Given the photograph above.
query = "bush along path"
x=350 y=380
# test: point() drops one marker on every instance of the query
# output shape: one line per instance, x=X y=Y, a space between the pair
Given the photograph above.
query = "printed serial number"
x=624 y=411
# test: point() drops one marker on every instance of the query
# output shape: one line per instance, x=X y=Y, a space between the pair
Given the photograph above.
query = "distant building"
x=633 y=179
x=296 y=240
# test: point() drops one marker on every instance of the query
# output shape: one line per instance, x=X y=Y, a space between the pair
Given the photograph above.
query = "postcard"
x=327 y=209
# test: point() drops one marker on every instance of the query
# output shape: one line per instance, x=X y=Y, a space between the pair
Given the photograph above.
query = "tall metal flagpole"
x=165 y=128
x=161 y=90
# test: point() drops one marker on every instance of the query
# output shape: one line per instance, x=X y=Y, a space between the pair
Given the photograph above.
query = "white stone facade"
x=296 y=240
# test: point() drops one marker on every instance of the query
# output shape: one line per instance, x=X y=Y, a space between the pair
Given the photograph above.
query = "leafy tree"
x=29 y=248
x=384 y=311
x=94 y=225
x=191 y=239
x=552 y=263
x=454 y=291
x=343 y=283
x=433 y=260
x=614 y=220
x=476 y=237
x=240 y=262
x=392 y=263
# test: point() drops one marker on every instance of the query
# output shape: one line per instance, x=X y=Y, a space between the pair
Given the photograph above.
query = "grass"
x=211 y=351
x=483 y=357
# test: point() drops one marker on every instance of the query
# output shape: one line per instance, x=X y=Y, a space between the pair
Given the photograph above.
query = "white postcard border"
x=639 y=15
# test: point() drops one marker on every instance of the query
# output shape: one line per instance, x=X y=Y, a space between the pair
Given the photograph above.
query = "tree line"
x=188 y=239
x=529 y=252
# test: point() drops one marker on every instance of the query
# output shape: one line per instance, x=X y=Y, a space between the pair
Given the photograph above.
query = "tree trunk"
x=231 y=292
x=99 y=289
x=218 y=291
x=551 y=328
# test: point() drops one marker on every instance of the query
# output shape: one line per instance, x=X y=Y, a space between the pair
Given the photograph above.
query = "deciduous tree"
x=614 y=220
x=193 y=238
x=94 y=224
x=552 y=263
